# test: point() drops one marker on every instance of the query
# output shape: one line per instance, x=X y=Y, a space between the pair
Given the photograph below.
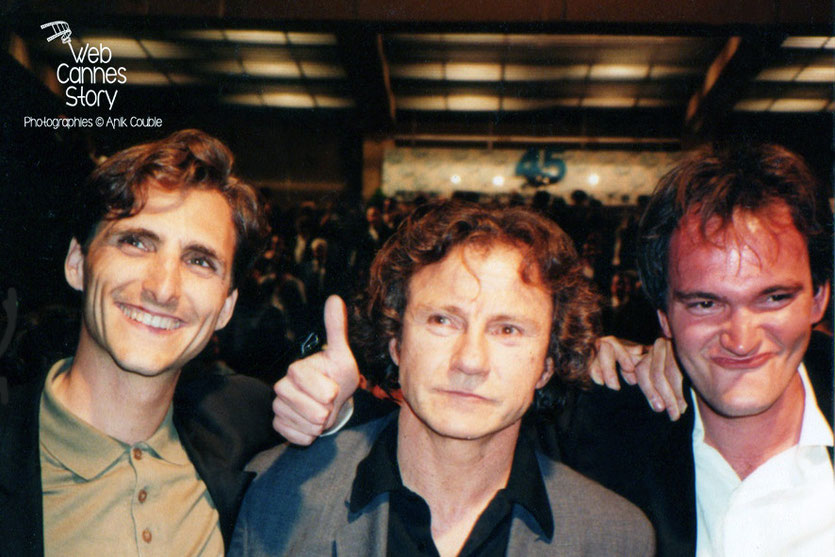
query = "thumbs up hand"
x=309 y=398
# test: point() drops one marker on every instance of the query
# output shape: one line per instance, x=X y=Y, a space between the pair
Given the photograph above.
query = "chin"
x=142 y=366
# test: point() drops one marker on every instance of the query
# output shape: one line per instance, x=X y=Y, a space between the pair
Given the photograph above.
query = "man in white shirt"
x=737 y=262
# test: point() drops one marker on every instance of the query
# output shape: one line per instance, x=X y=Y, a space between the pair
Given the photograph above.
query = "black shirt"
x=409 y=527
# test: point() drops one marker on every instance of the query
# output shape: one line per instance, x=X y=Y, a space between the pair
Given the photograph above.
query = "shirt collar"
x=814 y=429
x=85 y=450
x=379 y=473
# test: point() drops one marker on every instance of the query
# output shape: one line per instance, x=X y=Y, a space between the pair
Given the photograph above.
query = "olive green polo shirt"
x=104 y=497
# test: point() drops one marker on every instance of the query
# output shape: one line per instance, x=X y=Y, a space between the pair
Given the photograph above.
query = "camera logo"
x=59 y=29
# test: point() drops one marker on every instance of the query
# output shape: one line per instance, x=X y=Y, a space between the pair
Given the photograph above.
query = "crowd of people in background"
x=320 y=249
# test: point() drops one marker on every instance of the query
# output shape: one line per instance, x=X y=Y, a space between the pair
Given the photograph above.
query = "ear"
x=665 y=324
x=547 y=373
x=394 y=351
x=820 y=301
x=226 y=311
x=74 y=266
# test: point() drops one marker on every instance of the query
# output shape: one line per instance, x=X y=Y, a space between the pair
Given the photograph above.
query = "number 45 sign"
x=541 y=167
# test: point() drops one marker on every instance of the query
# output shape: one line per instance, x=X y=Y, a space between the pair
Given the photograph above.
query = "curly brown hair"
x=714 y=181
x=428 y=235
x=118 y=188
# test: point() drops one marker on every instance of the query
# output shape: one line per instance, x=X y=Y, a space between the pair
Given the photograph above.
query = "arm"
x=655 y=370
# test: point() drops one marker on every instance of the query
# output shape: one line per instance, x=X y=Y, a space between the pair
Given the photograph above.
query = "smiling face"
x=157 y=284
x=740 y=309
x=474 y=343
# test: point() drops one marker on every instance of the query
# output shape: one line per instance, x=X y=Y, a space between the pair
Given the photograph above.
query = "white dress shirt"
x=786 y=507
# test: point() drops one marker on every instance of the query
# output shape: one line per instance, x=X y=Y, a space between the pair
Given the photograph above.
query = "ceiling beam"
x=739 y=61
x=367 y=71
x=804 y=13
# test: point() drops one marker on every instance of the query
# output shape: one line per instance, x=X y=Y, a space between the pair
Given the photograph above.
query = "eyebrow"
x=700 y=295
x=456 y=310
x=136 y=231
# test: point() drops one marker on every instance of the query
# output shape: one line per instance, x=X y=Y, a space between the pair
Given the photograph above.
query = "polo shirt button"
x=146 y=535
x=142 y=495
x=137 y=453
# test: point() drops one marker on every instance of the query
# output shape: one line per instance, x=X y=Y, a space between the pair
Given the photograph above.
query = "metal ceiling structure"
x=549 y=72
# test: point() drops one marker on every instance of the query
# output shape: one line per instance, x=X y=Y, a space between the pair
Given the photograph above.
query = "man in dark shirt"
x=469 y=314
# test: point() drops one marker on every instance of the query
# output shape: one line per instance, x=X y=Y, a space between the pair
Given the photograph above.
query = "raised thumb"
x=336 y=328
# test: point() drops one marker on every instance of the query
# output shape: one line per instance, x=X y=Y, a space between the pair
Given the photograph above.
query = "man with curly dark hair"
x=469 y=314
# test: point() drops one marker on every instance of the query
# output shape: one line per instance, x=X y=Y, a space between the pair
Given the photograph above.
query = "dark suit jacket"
x=616 y=439
x=223 y=419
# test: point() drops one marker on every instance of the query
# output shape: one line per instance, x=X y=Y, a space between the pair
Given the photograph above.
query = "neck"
x=457 y=478
x=124 y=405
x=747 y=442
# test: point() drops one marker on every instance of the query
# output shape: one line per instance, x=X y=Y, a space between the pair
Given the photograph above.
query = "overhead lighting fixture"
x=817 y=74
x=779 y=73
x=805 y=42
x=594 y=179
x=429 y=70
x=312 y=39
x=473 y=102
x=258 y=36
x=799 y=105
x=289 y=100
x=517 y=72
x=455 y=179
x=287 y=69
x=166 y=49
x=619 y=71
x=473 y=72
x=120 y=47
x=320 y=70
x=753 y=105
x=498 y=181
x=608 y=102
x=333 y=101
x=421 y=102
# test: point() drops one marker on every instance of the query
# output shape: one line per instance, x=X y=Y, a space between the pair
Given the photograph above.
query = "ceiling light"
x=799 y=105
x=473 y=102
x=289 y=100
x=120 y=47
x=804 y=42
x=473 y=72
x=272 y=69
x=753 y=105
x=619 y=71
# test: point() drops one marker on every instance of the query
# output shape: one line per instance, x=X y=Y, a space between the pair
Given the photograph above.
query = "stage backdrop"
x=607 y=175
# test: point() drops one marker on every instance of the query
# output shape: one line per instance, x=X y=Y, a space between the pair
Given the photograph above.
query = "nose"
x=741 y=333
x=161 y=285
x=471 y=353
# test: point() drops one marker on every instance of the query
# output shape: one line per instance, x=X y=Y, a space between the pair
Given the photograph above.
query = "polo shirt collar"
x=86 y=451
x=378 y=473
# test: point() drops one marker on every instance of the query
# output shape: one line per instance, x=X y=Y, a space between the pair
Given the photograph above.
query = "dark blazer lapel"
x=225 y=483
x=21 y=493
x=669 y=490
